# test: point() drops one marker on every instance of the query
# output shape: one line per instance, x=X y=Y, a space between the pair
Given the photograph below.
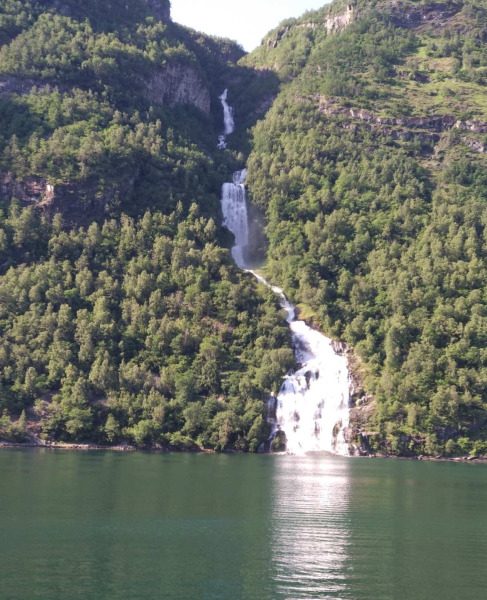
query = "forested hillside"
x=109 y=105
x=139 y=331
x=371 y=168
x=122 y=317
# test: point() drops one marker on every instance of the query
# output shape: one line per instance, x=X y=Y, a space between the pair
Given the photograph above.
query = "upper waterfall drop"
x=312 y=407
x=228 y=121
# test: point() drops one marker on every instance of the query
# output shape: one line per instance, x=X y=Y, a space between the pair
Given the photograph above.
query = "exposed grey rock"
x=12 y=84
x=78 y=203
x=432 y=14
x=331 y=23
x=336 y=23
x=424 y=129
x=170 y=85
x=475 y=145
x=31 y=190
x=178 y=84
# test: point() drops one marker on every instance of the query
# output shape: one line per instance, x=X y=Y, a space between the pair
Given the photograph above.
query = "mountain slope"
x=371 y=169
x=122 y=317
x=116 y=328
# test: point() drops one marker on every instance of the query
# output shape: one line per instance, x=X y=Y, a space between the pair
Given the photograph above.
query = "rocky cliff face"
x=435 y=14
x=31 y=190
x=336 y=23
x=79 y=204
x=178 y=84
x=402 y=14
x=331 y=23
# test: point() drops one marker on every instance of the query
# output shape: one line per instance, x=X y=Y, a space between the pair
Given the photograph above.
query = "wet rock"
x=339 y=347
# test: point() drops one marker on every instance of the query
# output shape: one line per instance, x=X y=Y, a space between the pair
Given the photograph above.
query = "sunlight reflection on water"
x=311 y=527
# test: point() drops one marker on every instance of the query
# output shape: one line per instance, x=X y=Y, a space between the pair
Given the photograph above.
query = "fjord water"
x=108 y=526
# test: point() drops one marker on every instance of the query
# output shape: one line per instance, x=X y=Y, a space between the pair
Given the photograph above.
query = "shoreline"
x=87 y=447
x=124 y=448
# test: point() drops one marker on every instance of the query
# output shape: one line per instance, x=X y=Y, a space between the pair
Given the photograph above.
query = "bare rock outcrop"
x=359 y=434
x=363 y=405
x=426 y=129
x=405 y=15
x=331 y=23
x=178 y=84
x=433 y=14
x=170 y=85
x=31 y=190
x=336 y=23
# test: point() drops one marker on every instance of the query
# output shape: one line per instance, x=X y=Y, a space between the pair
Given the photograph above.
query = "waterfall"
x=228 y=121
x=312 y=406
x=234 y=208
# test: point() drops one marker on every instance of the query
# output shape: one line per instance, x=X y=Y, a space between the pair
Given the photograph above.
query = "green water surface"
x=96 y=526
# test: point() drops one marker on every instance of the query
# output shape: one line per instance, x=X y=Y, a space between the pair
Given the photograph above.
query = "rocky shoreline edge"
x=164 y=450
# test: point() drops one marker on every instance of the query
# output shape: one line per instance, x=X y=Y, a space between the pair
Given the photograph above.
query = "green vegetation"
x=122 y=318
x=140 y=331
x=79 y=139
x=121 y=315
x=113 y=102
x=379 y=230
x=384 y=63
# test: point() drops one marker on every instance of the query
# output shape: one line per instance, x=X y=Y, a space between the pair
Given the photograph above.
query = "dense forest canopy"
x=371 y=169
x=122 y=318
x=136 y=330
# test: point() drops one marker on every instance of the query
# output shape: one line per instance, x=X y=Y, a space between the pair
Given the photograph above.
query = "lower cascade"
x=312 y=407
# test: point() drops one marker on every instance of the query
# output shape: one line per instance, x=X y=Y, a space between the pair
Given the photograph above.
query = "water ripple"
x=310 y=527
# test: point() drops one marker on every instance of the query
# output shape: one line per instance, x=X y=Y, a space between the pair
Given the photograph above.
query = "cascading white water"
x=228 y=121
x=234 y=207
x=313 y=403
x=312 y=407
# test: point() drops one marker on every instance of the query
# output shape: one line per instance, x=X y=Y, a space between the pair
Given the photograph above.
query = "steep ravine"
x=312 y=409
